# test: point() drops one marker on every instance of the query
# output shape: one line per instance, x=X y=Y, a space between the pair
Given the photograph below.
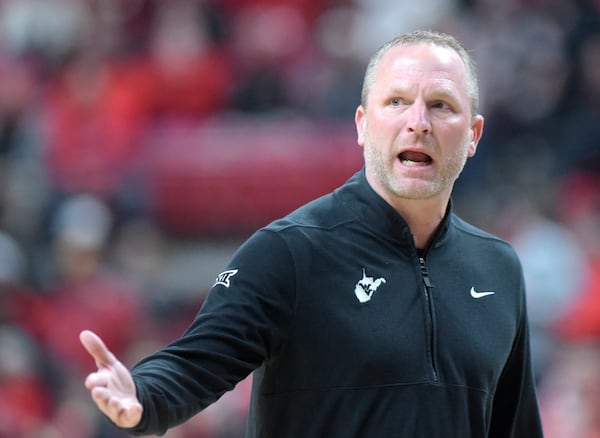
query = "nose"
x=418 y=119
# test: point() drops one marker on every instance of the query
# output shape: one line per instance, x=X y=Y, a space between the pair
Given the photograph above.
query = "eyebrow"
x=445 y=94
x=437 y=92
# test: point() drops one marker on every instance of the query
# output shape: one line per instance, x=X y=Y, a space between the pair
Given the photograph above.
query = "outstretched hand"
x=112 y=386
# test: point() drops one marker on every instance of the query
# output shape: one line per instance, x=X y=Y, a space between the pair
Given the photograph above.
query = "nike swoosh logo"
x=476 y=294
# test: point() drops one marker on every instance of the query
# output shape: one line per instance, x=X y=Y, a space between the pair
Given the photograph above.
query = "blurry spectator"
x=12 y=266
x=139 y=254
x=21 y=178
x=27 y=399
x=96 y=110
x=264 y=41
x=93 y=115
x=580 y=201
x=334 y=78
x=84 y=291
x=582 y=318
x=554 y=266
x=570 y=395
x=581 y=132
x=26 y=402
x=379 y=20
x=525 y=70
x=46 y=29
x=570 y=392
x=188 y=72
x=17 y=298
x=139 y=251
x=17 y=92
x=308 y=9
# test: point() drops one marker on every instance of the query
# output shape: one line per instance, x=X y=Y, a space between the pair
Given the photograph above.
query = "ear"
x=475 y=134
x=360 y=121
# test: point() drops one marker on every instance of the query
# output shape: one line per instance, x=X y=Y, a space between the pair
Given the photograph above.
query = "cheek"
x=382 y=133
x=458 y=139
x=384 y=130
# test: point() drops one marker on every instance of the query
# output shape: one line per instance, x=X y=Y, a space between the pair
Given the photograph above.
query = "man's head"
x=418 y=122
x=428 y=37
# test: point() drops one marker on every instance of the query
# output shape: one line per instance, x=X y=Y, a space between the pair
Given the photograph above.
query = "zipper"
x=430 y=320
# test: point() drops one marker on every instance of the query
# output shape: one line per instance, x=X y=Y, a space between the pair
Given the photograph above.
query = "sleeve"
x=515 y=411
x=241 y=324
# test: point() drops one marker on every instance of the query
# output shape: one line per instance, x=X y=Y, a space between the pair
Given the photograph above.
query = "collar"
x=376 y=214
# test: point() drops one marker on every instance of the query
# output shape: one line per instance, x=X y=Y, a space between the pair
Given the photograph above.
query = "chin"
x=415 y=191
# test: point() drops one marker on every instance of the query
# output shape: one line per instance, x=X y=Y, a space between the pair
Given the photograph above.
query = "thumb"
x=96 y=348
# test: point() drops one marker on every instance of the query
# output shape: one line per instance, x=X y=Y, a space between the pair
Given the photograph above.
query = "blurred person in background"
x=570 y=394
x=27 y=400
x=187 y=71
x=92 y=116
x=580 y=211
x=570 y=389
x=266 y=43
x=27 y=397
x=555 y=264
x=13 y=290
x=81 y=289
x=372 y=311
x=581 y=130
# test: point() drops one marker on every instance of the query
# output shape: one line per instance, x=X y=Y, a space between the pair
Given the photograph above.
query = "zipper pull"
x=424 y=273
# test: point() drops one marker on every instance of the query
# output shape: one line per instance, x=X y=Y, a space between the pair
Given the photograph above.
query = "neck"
x=423 y=218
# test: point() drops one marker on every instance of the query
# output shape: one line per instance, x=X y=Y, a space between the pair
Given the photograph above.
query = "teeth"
x=413 y=163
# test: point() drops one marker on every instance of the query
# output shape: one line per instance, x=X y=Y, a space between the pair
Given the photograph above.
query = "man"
x=371 y=312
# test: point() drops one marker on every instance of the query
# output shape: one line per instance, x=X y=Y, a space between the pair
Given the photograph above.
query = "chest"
x=366 y=316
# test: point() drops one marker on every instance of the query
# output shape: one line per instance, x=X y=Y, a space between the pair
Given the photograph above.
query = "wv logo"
x=224 y=277
x=366 y=287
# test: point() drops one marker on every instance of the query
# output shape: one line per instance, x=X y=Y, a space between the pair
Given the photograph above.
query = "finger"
x=123 y=412
x=123 y=406
x=101 y=397
x=96 y=348
x=129 y=414
x=96 y=379
x=109 y=404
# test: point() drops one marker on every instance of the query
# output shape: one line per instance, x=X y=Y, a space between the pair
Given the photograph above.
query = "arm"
x=240 y=326
x=515 y=409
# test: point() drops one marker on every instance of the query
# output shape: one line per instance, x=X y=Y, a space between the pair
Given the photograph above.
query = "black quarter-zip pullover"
x=351 y=333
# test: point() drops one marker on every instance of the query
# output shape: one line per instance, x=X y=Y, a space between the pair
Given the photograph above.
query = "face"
x=416 y=128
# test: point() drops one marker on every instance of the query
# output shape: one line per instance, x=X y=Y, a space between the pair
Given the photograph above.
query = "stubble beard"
x=380 y=167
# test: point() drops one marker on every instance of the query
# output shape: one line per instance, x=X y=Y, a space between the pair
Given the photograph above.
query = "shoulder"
x=467 y=228
x=324 y=213
x=483 y=243
x=280 y=239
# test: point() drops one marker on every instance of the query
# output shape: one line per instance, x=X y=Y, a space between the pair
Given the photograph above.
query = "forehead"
x=422 y=62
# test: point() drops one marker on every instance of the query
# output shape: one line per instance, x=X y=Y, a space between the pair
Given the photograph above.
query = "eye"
x=398 y=102
x=441 y=105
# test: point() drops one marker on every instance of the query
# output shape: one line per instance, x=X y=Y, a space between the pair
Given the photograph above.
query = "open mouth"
x=412 y=158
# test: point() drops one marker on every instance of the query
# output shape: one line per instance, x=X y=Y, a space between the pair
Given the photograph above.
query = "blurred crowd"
x=86 y=84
